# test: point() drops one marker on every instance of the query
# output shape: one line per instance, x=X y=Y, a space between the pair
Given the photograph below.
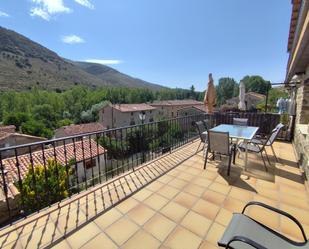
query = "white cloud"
x=85 y=3
x=3 y=14
x=72 y=39
x=46 y=8
x=104 y=62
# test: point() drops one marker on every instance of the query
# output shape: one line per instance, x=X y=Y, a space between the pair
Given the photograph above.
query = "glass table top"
x=237 y=131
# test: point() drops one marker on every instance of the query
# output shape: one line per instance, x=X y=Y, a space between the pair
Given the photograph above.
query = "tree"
x=226 y=89
x=192 y=92
x=256 y=84
x=43 y=186
x=17 y=119
x=46 y=114
x=36 y=128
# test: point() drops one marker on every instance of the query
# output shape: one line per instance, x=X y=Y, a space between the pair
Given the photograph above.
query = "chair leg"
x=205 y=162
x=229 y=166
x=234 y=155
x=267 y=157
x=264 y=161
x=272 y=148
x=213 y=156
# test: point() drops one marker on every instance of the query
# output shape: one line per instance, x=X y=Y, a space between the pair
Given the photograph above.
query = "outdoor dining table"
x=239 y=132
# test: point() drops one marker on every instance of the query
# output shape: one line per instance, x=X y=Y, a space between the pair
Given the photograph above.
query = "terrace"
x=163 y=200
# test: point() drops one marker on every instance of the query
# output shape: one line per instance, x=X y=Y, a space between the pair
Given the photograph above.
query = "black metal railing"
x=43 y=173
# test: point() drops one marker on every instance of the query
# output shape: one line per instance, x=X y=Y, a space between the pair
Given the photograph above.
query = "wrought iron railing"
x=54 y=170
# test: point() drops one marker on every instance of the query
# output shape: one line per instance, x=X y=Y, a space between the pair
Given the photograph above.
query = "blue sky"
x=175 y=43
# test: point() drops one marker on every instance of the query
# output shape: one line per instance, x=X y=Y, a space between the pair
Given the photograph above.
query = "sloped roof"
x=7 y=128
x=133 y=107
x=72 y=130
x=293 y=23
x=24 y=161
x=177 y=102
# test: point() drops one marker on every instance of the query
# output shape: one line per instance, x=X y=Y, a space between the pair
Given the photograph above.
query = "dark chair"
x=271 y=140
x=219 y=143
x=243 y=232
x=258 y=148
x=240 y=121
x=202 y=133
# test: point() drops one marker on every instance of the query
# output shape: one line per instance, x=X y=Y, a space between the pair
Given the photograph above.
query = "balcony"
x=158 y=198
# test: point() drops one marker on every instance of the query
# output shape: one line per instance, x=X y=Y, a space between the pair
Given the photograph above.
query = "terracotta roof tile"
x=72 y=130
x=8 y=128
x=133 y=107
x=176 y=102
x=10 y=164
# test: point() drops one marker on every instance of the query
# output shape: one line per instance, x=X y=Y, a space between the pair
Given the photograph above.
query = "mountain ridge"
x=25 y=64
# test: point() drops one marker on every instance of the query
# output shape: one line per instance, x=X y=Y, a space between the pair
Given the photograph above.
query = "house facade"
x=9 y=137
x=120 y=115
x=171 y=108
x=251 y=100
x=297 y=77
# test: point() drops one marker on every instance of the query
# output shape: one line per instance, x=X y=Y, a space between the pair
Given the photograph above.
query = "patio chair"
x=202 y=133
x=271 y=140
x=219 y=143
x=243 y=232
x=240 y=121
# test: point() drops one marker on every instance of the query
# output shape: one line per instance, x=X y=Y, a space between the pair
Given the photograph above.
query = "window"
x=90 y=163
x=131 y=113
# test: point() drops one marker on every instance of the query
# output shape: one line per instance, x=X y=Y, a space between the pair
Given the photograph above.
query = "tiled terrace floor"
x=187 y=207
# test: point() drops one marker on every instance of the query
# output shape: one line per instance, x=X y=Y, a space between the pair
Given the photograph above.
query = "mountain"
x=25 y=64
x=113 y=76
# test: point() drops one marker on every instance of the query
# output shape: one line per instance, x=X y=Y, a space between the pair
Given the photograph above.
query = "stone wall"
x=301 y=144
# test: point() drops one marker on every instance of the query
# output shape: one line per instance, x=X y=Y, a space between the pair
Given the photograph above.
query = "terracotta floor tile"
x=178 y=183
x=142 y=240
x=224 y=217
x=160 y=226
x=142 y=194
x=186 y=177
x=99 y=241
x=215 y=233
x=62 y=245
x=300 y=214
x=207 y=209
x=194 y=189
x=241 y=194
x=165 y=179
x=202 y=182
x=294 y=201
x=269 y=193
x=78 y=238
x=140 y=214
x=207 y=245
x=233 y=205
x=156 y=201
x=168 y=191
x=218 y=187
x=186 y=200
x=196 y=223
x=121 y=230
x=291 y=230
x=182 y=238
x=108 y=218
x=155 y=186
x=265 y=200
x=264 y=216
x=285 y=189
x=127 y=205
x=174 y=211
x=214 y=197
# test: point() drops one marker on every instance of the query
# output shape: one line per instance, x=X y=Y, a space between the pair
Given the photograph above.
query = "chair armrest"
x=251 y=203
x=246 y=241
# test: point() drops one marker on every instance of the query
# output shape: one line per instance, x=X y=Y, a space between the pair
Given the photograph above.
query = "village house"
x=120 y=115
x=171 y=108
x=75 y=130
x=86 y=158
x=252 y=99
x=297 y=78
x=9 y=137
